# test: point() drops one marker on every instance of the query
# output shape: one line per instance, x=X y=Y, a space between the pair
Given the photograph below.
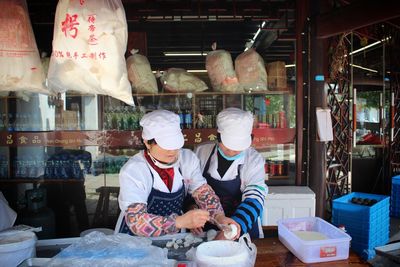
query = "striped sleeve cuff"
x=247 y=214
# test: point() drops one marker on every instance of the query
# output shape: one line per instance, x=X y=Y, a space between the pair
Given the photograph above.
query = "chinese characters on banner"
x=71 y=29
x=132 y=139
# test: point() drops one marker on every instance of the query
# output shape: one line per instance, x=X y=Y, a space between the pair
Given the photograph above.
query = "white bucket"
x=16 y=246
x=222 y=253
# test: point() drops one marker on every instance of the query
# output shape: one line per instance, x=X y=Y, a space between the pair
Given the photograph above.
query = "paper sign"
x=324 y=125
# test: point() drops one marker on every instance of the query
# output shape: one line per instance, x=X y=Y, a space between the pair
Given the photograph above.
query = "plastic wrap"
x=98 y=249
x=220 y=70
x=140 y=74
x=20 y=65
x=178 y=80
x=250 y=70
x=89 y=44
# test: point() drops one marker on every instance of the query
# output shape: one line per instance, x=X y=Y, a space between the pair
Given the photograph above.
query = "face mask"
x=238 y=156
x=162 y=165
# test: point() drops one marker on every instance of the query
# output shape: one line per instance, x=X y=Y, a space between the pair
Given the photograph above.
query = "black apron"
x=229 y=194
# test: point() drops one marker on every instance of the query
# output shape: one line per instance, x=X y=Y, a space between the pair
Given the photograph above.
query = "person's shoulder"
x=135 y=162
x=253 y=154
x=187 y=153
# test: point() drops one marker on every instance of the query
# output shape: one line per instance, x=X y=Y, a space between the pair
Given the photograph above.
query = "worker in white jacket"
x=154 y=182
x=235 y=170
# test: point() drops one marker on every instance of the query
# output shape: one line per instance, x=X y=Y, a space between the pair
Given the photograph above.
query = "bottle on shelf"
x=181 y=118
x=188 y=119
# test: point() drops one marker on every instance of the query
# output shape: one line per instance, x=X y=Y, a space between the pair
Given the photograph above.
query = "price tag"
x=326 y=252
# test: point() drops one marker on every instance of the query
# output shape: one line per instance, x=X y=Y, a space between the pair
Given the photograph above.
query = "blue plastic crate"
x=395 y=197
x=364 y=252
x=367 y=225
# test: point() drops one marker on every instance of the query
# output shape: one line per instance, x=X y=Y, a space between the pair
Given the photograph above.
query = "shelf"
x=263 y=137
x=208 y=93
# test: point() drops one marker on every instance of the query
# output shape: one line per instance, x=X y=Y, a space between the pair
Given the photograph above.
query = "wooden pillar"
x=318 y=98
x=302 y=15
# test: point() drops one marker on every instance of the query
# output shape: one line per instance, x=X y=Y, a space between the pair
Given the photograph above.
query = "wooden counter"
x=272 y=253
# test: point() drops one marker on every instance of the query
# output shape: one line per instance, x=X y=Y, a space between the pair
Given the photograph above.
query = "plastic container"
x=16 y=246
x=336 y=247
x=221 y=253
x=395 y=197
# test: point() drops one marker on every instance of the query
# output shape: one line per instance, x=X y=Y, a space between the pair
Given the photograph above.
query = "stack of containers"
x=395 y=198
x=367 y=225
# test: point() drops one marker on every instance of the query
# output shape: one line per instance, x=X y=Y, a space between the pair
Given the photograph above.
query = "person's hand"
x=220 y=236
x=192 y=219
x=222 y=219
x=197 y=231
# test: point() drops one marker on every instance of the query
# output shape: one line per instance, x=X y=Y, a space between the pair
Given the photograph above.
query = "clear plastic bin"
x=335 y=247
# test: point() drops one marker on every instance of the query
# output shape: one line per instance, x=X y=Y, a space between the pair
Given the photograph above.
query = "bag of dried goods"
x=220 y=70
x=250 y=70
x=89 y=44
x=20 y=65
x=277 y=79
x=140 y=74
x=178 y=80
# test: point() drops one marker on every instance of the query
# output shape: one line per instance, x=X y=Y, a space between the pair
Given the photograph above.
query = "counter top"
x=272 y=253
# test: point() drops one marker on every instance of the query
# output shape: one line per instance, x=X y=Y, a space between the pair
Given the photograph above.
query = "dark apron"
x=161 y=204
x=229 y=194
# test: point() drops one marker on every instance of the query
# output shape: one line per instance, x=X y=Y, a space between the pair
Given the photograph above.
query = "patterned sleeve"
x=206 y=199
x=142 y=223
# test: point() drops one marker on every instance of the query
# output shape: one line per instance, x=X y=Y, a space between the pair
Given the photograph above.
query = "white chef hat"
x=235 y=126
x=164 y=127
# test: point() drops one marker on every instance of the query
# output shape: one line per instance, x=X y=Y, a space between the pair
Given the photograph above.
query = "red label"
x=326 y=252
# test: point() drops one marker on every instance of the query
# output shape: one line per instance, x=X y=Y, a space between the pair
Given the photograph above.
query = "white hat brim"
x=171 y=141
x=234 y=143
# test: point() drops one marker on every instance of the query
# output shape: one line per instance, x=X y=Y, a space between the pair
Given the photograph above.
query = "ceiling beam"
x=356 y=15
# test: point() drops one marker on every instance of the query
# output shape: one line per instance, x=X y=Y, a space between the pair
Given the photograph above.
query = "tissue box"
x=335 y=247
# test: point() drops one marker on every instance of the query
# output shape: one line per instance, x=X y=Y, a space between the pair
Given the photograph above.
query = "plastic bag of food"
x=220 y=70
x=140 y=74
x=20 y=65
x=250 y=70
x=89 y=44
x=98 y=249
x=178 y=80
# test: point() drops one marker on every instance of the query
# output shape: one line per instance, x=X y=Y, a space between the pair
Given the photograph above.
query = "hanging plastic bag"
x=220 y=70
x=140 y=74
x=178 y=80
x=89 y=44
x=250 y=70
x=20 y=65
x=225 y=253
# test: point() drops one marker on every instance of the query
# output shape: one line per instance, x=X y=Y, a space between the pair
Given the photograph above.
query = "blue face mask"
x=238 y=156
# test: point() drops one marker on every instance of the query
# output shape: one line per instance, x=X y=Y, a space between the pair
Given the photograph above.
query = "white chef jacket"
x=136 y=181
x=252 y=171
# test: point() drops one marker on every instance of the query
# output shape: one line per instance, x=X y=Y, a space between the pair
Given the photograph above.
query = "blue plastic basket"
x=395 y=197
x=367 y=225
